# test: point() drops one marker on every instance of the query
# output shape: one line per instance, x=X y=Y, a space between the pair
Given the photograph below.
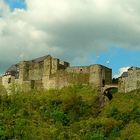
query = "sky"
x=82 y=32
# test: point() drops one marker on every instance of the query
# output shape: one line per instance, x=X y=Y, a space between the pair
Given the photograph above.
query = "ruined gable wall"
x=133 y=80
x=130 y=83
x=57 y=65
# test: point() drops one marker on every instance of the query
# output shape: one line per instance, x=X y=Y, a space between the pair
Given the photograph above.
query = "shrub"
x=58 y=116
x=70 y=113
x=131 y=132
x=97 y=136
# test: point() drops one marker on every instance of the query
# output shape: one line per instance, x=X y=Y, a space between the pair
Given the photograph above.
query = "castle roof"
x=12 y=70
x=124 y=74
x=39 y=59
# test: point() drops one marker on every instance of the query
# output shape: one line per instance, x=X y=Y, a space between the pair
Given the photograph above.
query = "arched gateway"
x=107 y=90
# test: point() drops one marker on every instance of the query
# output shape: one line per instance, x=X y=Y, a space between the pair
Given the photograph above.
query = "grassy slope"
x=70 y=113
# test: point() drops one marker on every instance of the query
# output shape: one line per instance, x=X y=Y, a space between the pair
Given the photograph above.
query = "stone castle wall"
x=131 y=82
x=52 y=73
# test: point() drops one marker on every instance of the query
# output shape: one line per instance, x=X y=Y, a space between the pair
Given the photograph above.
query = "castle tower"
x=100 y=75
x=47 y=72
x=23 y=71
x=95 y=75
x=55 y=65
x=47 y=66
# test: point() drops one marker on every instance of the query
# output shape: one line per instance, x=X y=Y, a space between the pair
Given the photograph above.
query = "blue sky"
x=120 y=57
x=16 y=4
x=82 y=32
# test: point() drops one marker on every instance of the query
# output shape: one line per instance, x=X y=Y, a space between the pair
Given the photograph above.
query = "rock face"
x=51 y=73
x=130 y=80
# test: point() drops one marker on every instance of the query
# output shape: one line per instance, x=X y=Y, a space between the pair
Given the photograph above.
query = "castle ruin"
x=51 y=73
x=129 y=80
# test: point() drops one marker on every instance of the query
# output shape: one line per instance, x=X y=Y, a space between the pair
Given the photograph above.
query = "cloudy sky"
x=82 y=32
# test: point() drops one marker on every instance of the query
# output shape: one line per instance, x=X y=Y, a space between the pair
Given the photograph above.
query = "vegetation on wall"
x=72 y=113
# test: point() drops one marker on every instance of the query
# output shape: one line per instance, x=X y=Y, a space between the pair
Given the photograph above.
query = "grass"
x=72 y=113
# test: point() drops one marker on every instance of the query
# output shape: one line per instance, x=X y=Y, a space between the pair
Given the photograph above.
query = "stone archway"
x=107 y=91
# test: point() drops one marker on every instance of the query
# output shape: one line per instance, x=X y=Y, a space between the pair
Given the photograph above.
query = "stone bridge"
x=106 y=90
x=109 y=87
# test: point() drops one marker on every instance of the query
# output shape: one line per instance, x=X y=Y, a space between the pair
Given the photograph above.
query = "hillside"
x=72 y=113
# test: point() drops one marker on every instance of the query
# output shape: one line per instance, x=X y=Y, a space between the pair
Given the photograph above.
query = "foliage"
x=72 y=113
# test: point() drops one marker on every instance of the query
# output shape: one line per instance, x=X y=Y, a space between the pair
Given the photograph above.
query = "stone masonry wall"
x=36 y=71
x=94 y=75
x=130 y=83
x=52 y=73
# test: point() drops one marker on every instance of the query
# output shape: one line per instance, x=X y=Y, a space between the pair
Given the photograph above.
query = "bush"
x=58 y=116
x=131 y=132
x=69 y=113
x=97 y=136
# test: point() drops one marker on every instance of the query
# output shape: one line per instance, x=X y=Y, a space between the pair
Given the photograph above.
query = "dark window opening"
x=81 y=70
x=103 y=82
x=9 y=80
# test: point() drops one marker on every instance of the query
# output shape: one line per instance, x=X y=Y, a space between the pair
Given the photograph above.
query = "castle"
x=51 y=73
x=129 y=80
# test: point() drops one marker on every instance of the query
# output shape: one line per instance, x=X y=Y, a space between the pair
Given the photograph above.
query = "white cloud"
x=67 y=29
x=107 y=62
x=121 y=70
